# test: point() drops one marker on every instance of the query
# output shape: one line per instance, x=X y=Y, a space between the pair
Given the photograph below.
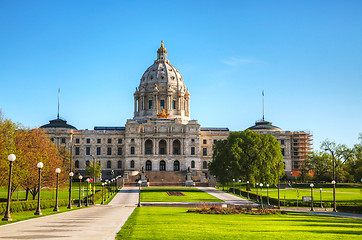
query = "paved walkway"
x=226 y=197
x=97 y=222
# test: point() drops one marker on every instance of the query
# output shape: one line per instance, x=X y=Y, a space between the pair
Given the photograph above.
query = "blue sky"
x=305 y=55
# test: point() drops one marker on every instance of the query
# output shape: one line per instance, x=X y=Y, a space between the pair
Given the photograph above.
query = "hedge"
x=31 y=205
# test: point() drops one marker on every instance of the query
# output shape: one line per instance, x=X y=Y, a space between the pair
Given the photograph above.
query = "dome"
x=58 y=123
x=264 y=126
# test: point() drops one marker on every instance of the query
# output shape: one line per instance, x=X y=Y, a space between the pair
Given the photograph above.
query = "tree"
x=97 y=169
x=353 y=165
x=320 y=163
x=248 y=155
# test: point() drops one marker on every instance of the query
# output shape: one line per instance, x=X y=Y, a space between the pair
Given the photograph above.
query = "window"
x=204 y=151
x=132 y=164
x=88 y=140
x=132 y=150
x=149 y=104
x=148 y=165
x=63 y=140
x=119 y=164
x=162 y=147
x=204 y=165
x=119 y=151
x=215 y=141
x=283 y=151
x=87 y=151
x=162 y=104
x=109 y=151
x=192 y=164
x=109 y=140
x=98 y=151
x=295 y=165
x=174 y=104
x=76 y=164
x=176 y=165
x=132 y=140
x=77 y=140
x=119 y=140
x=192 y=150
x=162 y=166
x=76 y=150
x=204 y=141
x=192 y=140
x=176 y=147
x=295 y=153
x=52 y=139
x=282 y=142
x=148 y=147
x=87 y=163
x=98 y=140
x=109 y=164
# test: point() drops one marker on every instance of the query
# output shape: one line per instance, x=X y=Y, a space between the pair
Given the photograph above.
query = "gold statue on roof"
x=163 y=114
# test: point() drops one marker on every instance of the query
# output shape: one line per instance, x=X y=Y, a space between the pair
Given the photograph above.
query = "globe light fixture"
x=40 y=165
x=56 y=208
x=7 y=216
x=311 y=194
x=139 y=193
x=71 y=174
x=80 y=183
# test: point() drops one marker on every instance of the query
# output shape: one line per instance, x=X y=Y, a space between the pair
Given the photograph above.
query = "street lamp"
x=234 y=185
x=239 y=187
x=320 y=191
x=267 y=192
x=139 y=193
x=56 y=208
x=257 y=194
x=261 y=194
x=311 y=194
x=94 y=178
x=278 y=188
x=102 y=193
x=247 y=188
x=109 y=189
x=71 y=174
x=7 y=216
x=333 y=180
x=86 y=203
x=80 y=183
x=38 y=211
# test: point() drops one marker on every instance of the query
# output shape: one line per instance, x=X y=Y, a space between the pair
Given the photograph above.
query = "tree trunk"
x=26 y=194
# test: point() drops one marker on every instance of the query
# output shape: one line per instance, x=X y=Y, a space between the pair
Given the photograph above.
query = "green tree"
x=320 y=163
x=97 y=169
x=353 y=165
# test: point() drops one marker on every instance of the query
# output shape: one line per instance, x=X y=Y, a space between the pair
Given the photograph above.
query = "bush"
x=31 y=205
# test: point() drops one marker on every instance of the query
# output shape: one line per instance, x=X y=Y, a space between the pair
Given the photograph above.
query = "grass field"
x=176 y=223
x=153 y=194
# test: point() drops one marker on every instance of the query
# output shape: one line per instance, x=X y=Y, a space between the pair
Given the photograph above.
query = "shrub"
x=31 y=205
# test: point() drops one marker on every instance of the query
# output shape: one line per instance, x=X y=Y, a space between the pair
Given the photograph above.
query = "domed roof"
x=161 y=72
x=58 y=123
x=264 y=126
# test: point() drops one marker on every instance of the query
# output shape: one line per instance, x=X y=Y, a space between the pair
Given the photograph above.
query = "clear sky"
x=305 y=55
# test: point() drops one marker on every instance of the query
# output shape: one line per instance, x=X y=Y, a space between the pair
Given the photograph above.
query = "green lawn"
x=153 y=194
x=176 y=223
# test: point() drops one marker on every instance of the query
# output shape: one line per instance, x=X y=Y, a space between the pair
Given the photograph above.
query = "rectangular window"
x=283 y=151
x=87 y=151
x=52 y=139
x=174 y=104
x=88 y=140
x=295 y=153
x=119 y=140
x=192 y=150
x=204 y=141
x=76 y=150
x=109 y=151
x=132 y=150
x=63 y=140
x=282 y=142
x=162 y=104
x=109 y=140
x=295 y=165
x=77 y=140
x=98 y=140
x=149 y=104
x=119 y=151
x=204 y=151
x=98 y=151
x=192 y=140
x=215 y=141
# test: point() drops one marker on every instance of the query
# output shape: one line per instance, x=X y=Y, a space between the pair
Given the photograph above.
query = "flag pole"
x=58 y=101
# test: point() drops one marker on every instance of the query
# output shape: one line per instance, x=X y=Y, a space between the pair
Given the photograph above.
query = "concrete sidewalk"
x=97 y=222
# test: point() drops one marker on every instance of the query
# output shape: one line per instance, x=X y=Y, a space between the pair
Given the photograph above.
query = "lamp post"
x=71 y=174
x=86 y=203
x=233 y=185
x=239 y=187
x=333 y=180
x=102 y=193
x=109 y=190
x=38 y=211
x=7 y=216
x=247 y=188
x=267 y=192
x=80 y=183
x=320 y=191
x=94 y=178
x=257 y=194
x=139 y=193
x=261 y=194
x=278 y=188
x=56 y=208
x=311 y=194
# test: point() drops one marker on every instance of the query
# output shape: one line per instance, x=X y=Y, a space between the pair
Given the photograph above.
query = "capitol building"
x=162 y=138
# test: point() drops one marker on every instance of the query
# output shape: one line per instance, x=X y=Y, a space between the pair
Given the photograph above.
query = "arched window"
x=162 y=147
x=132 y=164
x=162 y=166
x=76 y=164
x=192 y=164
x=148 y=146
x=176 y=147
x=204 y=165
x=119 y=164
x=148 y=165
x=109 y=164
x=87 y=163
x=176 y=165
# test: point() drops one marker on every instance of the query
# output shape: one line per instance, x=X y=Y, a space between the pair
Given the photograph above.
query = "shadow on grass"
x=172 y=190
